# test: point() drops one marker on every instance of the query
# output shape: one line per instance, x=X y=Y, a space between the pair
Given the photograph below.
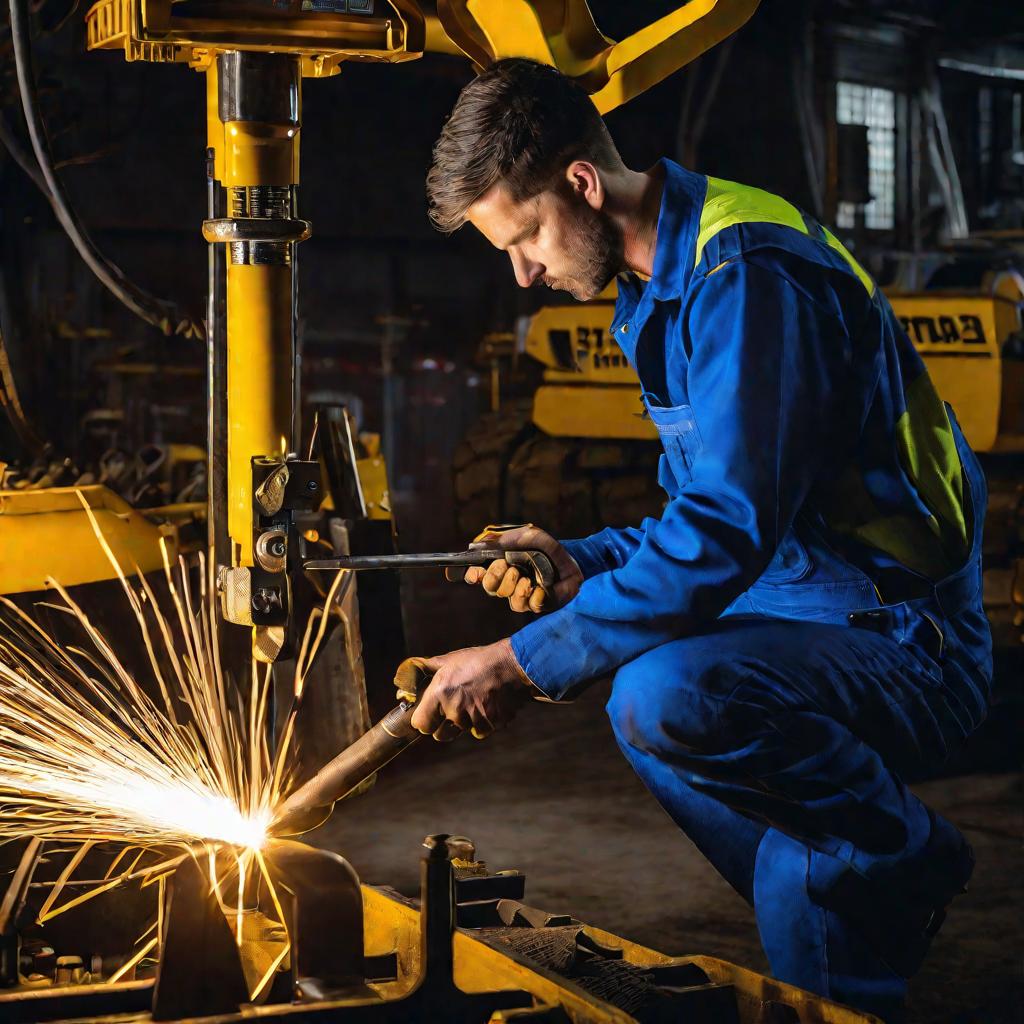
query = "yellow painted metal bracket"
x=563 y=33
x=557 y=32
x=151 y=30
x=46 y=533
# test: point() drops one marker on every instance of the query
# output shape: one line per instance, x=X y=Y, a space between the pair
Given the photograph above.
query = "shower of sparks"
x=89 y=754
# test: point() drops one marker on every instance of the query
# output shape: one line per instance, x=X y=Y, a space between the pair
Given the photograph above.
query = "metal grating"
x=875 y=108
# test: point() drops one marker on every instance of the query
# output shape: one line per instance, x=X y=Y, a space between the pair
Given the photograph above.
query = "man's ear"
x=585 y=181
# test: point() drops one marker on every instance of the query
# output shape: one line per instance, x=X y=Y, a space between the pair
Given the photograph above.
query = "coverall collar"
x=682 y=199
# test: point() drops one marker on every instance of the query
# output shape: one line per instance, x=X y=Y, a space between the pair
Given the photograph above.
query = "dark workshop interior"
x=431 y=396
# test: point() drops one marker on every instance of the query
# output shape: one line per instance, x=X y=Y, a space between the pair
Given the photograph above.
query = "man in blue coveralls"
x=803 y=623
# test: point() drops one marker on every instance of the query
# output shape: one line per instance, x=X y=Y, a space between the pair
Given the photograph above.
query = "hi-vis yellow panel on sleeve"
x=727 y=203
x=932 y=545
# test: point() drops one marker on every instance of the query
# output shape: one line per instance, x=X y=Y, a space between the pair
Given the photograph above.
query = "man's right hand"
x=502 y=580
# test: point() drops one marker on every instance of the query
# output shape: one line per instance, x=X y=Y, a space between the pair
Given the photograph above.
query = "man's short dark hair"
x=520 y=123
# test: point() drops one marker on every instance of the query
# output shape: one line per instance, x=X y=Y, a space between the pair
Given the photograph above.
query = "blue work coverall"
x=803 y=623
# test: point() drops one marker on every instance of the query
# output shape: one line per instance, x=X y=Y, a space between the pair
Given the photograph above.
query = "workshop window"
x=876 y=109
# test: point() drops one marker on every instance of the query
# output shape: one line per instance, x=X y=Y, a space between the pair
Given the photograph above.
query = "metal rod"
x=427 y=560
x=534 y=563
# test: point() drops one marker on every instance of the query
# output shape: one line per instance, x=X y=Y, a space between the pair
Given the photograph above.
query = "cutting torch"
x=311 y=804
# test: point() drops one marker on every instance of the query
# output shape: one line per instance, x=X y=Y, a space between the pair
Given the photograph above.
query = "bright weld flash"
x=162 y=807
x=88 y=754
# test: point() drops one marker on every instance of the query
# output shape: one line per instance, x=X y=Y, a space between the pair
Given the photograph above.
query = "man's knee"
x=673 y=697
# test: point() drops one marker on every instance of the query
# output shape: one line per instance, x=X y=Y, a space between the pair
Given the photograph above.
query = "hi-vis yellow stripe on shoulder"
x=727 y=203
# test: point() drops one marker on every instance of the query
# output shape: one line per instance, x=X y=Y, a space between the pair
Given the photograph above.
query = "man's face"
x=556 y=238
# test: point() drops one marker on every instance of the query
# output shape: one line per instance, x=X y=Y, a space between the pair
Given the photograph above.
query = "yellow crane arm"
x=563 y=33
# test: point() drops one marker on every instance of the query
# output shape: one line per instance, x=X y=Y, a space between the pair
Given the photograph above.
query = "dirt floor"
x=553 y=797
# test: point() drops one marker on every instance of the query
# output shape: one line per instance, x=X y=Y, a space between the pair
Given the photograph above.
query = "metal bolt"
x=277 y=547
x=312 y=485
x=264 y=600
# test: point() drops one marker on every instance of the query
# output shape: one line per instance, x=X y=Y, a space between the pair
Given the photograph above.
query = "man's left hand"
x=477 y=689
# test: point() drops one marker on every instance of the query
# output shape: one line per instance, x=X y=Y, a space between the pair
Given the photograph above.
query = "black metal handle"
x=535 y=563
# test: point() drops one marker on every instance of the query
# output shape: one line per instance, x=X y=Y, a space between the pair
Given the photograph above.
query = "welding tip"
x=311 y=804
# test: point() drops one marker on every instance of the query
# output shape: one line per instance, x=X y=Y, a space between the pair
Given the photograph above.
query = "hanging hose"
x=166 y=316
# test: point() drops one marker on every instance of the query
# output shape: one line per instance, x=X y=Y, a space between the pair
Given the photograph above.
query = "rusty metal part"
x=535 y=563
x=311 y=804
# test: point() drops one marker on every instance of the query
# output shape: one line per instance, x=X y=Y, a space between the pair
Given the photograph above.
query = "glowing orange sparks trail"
x=87 y=754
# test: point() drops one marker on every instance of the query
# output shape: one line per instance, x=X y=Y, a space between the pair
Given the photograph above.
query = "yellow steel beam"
x=391 y=924
x=557 y=32
x=151 y=30
x=47 y=533
x=563 y=33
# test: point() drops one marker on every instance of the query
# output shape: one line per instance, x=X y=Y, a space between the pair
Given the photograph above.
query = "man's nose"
x=527 y=271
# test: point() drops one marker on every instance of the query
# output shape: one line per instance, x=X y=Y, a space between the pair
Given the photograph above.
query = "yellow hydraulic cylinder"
x=259 y=364
x=253 y=126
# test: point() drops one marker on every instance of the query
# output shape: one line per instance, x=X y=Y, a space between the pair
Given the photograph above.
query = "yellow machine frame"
x=960 y=335
x=392 y=924
x=47 y=534
x=589 y=388
x=590 y=391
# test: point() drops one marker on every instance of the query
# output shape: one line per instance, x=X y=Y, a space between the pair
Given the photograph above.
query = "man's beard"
x=598 y=254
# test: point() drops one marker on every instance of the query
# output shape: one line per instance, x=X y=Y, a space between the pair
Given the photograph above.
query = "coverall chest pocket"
x=680 y=438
